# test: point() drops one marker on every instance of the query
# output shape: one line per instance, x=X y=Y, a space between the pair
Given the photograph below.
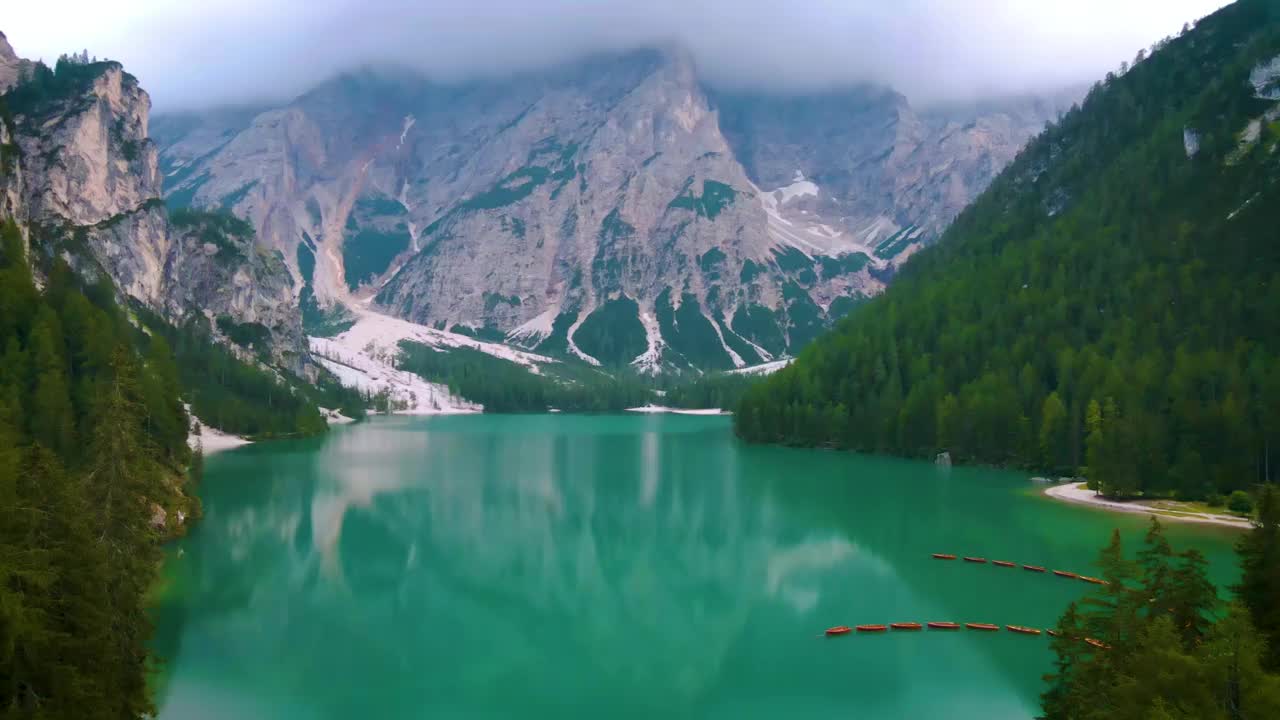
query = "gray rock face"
x=234 y=282
x=613 y=209
x=86 y=168
x=11 y=66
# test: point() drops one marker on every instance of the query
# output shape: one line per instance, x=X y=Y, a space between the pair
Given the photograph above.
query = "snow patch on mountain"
x=371 y=372
x=1265 y=78
x=535 y=330
x=383 y=334
x=803 y=231
x=799 y=187
x=573 y=347
x=735 y=357
x=650 y=361
x=768 y=368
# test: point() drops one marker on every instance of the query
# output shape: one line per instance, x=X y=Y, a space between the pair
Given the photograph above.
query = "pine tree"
x=1192 y=597
x=52 y=417
x=1259 y=588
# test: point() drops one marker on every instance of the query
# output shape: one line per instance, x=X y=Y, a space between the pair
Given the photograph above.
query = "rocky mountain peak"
x=615 y=209
x=88 y=175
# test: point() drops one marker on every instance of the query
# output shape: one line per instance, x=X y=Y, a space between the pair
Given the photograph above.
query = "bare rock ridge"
x=79 y=166
x=614 y=209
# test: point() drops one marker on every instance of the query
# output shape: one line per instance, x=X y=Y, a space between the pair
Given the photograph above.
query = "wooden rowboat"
x=943 y=556
x=906 y=626
x=1033 y=568
x=1023 y=630
x=1065 y=574
x=838 y=630
x=974 y=559
x=944 y=626
x=1053 y=633
x=872 y=628
x=1094 y=580
x=1097 y=643
x=982 y=626
x=1003 y=563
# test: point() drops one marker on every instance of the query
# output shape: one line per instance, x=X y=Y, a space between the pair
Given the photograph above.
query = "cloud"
x=191 y=54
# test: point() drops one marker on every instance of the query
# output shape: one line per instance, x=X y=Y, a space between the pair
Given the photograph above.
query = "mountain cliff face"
x=80 y=169
x=614 y=210
x=11 y=66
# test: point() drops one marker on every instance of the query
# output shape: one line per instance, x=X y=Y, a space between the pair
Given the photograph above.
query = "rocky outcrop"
x=613 y=209
x=11 y=66
x=80 y=167
x=217 y=269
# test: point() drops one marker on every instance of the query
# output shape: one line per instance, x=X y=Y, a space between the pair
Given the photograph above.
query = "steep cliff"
x=81 y=171
x=614 y=209
x=11 y=66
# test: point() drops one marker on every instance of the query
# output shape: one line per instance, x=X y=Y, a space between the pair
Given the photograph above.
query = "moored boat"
x=1097 y=643
x=944 y=626
x=905 y=626
x=1003 y=563
x=1065 y=574
x=982 y=626
x=1023 y=630
x=972 y=559
x=872 y=628
x=838 y=630
x=1033 y=568
x=1094 y=580
x=943 y=556
x=1053 y=633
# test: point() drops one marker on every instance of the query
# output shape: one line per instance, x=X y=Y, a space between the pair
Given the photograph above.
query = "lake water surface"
x=562 y=566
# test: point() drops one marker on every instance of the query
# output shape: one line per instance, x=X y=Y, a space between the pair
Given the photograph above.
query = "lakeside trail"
x=1072 y=492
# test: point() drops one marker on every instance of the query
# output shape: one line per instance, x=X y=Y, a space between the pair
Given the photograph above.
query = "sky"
x=196 y=53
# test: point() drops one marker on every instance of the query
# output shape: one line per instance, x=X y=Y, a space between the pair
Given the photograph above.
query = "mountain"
x=80 y=182
x=85 y=174
x=1111 y=302
x=614 y=210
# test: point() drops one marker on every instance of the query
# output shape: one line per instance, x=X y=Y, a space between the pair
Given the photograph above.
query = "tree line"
x=503 y=386
x=92 y=438
x=1110 y=306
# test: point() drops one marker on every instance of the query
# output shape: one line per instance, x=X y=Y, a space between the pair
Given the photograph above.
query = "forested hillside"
x=1112 y=302
x=92 y=446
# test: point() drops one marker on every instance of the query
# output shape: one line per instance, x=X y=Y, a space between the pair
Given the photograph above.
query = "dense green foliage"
x=759 y=324
x=218 y=228
x=37 y=92
x=1109 y=304
x=368 y=252
x=715 y=390
x=716 y=196
x=1259 y=588
x=612 y=333
x=505 y=386
x=91 y=434
x=237 y=397
x=688 y=332
x=1154 y=643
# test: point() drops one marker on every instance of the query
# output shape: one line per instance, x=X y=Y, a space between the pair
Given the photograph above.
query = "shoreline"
x=1071 y=493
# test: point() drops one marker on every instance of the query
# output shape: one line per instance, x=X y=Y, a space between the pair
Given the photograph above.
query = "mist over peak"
x=237 y=51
